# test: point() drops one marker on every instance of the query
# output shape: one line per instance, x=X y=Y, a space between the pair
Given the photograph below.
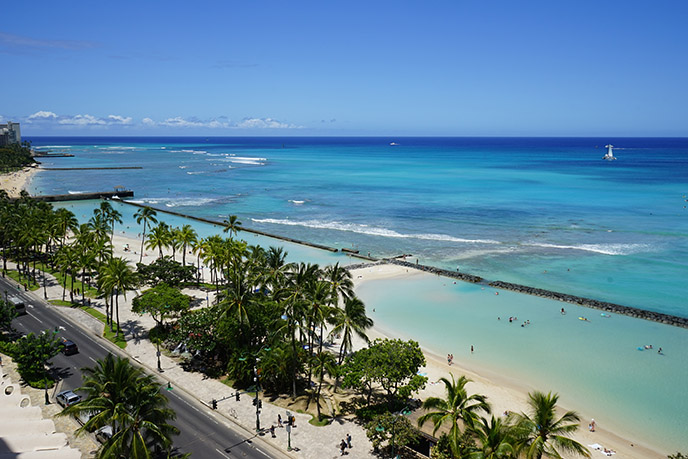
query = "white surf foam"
x=247 y=160
x=605 y=249
x=179 y=202
x=373 y=231
x=298 y=203
x=75 y=192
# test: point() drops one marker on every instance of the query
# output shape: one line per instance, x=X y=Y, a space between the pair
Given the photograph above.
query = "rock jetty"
x=595 y=304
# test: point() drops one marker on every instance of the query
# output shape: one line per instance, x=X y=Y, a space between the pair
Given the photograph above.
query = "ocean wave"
x=605 y=249
x=371 y=230
x=183 y=167
x=76 y=192
x=178 y=202
x=298 y=203
x=53 y=146
x=117 y=148
x=216 y=171
x=195 y=152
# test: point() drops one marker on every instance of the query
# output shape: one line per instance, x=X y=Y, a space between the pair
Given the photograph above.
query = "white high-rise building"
x=9 y=134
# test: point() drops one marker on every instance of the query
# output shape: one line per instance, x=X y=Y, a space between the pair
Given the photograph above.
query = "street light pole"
x=255 y=380
x=158 y=354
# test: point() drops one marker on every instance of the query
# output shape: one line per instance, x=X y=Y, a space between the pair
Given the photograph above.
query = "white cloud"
x=180 y=122
x=264 y=123
x=43 y=115
x=82 y=120
x=116 y=119
x=148 y=122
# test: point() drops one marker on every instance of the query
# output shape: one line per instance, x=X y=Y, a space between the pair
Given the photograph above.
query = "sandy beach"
x=504 y=393
x=15 y=182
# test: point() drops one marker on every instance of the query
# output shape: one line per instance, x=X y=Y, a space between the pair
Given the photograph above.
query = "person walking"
x=342 y=447
x=348 y=441
x=279 y=420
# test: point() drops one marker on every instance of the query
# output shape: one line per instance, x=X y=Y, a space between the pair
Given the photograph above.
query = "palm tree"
x=124 y=397
x=159 y=238
x=541 y=434
x=324 y=363
x=187 y=237
x=232 y=225
x=118 y=277
x=66 y=222
x=495 y=440
x=349 y=320
x=457 y=406
x=340 y=281
x=67 y=260
x=147 y=216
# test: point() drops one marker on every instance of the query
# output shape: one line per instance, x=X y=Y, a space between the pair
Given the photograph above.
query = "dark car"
x=69 y=347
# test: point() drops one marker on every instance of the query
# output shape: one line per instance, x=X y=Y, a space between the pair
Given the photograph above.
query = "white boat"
x=609 y=156
x=393 y=144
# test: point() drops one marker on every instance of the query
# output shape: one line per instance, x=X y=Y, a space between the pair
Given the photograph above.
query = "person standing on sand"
x=471 y=348
x=592 y=425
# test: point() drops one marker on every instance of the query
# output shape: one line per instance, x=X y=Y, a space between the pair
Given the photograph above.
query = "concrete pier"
x=85 y=196
x=87 y=168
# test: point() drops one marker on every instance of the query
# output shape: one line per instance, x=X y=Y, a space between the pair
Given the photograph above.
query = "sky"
x=431 y=68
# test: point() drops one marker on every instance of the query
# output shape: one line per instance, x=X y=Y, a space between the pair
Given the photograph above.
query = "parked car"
x=69 y=347
x=67 y=398
x=104 y=434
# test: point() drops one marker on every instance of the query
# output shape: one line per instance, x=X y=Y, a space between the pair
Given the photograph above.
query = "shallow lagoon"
x=595 y=366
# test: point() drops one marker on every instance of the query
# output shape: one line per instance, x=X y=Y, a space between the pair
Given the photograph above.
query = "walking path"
x=307 y=441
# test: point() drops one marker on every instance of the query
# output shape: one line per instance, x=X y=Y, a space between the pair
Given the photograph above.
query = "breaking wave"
x=371 y=230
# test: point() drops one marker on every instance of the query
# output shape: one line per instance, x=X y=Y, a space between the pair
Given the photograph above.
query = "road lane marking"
x=261 y=452
x=221 y=452
x=35 y=317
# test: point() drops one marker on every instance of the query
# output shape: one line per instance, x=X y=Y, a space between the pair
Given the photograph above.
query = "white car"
x=67 y=398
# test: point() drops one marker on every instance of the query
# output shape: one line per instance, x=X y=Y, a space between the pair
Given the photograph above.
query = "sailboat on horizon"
x=610 y=155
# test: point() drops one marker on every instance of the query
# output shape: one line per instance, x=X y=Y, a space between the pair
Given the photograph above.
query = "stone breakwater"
x=595 y=304
x=439 y=271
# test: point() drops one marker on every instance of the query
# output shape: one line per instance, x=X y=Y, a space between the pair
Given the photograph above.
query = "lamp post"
x=256 y=401
x=158 y=354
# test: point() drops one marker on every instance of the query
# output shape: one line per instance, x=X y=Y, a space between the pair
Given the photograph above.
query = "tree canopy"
x=161 y=302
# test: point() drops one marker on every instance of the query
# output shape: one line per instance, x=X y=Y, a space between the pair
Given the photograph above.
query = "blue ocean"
x=545 y=212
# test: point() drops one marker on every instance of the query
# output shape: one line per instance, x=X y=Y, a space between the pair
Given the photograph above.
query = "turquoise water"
x=542 y=212
x=595 y=366
x=507 y=209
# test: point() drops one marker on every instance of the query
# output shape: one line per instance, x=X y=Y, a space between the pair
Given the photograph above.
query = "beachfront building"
x=9 y=134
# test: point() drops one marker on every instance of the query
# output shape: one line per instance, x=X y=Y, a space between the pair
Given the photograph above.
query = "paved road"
x=203 y=433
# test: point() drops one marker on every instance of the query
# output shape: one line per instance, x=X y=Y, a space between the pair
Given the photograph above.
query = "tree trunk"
x=117 y=311
x=143 y=238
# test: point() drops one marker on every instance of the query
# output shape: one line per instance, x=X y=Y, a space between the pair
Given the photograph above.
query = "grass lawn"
x=13 y=274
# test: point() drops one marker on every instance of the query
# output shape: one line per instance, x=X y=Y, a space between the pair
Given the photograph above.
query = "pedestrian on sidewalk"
x=272 y=431
x=342 y=447
x=348 y=441
x=279 y=420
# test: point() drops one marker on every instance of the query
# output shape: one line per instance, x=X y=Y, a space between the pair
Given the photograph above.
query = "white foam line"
x=365 y=229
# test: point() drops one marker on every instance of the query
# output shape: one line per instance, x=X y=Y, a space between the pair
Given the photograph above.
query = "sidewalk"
x=307 y=441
